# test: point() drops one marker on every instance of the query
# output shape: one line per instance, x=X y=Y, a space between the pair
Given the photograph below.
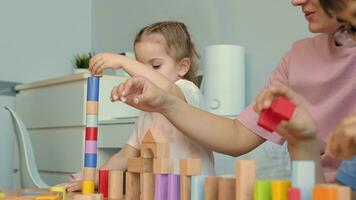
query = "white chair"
x=30 y=177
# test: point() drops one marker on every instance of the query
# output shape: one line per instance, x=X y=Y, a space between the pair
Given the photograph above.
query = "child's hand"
x=75 y=182
x=300 y=127
x=342 y=141
x=104 y=60
x=140 y=93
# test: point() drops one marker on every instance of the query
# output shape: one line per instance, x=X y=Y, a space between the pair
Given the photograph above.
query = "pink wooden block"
x=90 y=146
x=294 y=194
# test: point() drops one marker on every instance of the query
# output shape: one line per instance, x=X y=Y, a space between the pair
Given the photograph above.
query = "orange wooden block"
x=92 y=107
x=147 y=186
x=155 y=150
x=89 y=173
x=154 y=136
x=227 y=188
x=211 y=186
x=116 y=178
x=139 y=165
x=132 y=186
x=245 y=178
x=163 y=166
x=189 y=167
x=185 y=183
x=325 y=192
x=87 y=197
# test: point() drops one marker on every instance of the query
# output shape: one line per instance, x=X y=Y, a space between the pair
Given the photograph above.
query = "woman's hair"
x=177 y=41
x=330 y=6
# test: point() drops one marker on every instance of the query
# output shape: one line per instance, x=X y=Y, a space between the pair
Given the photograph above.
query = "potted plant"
x=81 y=62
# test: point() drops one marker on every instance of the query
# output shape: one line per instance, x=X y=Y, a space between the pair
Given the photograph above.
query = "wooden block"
x=280 y=189
x=173 y=187
x=93 y=88
x=163 y=166
x=211 y=186
x=325 y=192
x=147 y=188
x=140 y=165
x=116 y=178
x=344 y=192
x=2 y=194
x=91 y=133
x=103 y=182
x=61 y=190
x=227 y=188
x=88 y=197
x=154 y=136
x=92 y=107
x=303 y=177
x=89 y=173
x=152 y=150
x=99 y=75
x=189 y=167
x=88 y=187
x=197 y=187
x=185 y=182
x=245 y=178
x=47 y=198
x=161 y=186
x=295 y=194
x=132 y=186
x=283 y=108
x=262 y=190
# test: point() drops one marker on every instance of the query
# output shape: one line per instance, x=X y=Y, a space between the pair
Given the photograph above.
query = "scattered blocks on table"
x=139 y=165
x=173 y=187
x=197 y=187
x=185 y=183
x=132 y=186
x=161 y=186
x=295 y=194
x=227 y=188
x=116 y=180
x=103 y=182
x=211 y=186
x=280 y=189
x=262 y=190
x=190 y=167
x=163 y=166
x=147 y=183
x=88 y=186
x=303 y=177
x=245 y=178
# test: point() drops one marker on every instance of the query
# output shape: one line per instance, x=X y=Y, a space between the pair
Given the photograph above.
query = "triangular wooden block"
x=154 y=136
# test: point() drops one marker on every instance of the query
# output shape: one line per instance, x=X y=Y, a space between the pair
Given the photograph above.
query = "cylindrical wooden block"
x=280 y=190
x=90 y=160
x=103 y=182
x=325 y=193
x=91 y=133
x=227 y=188
x=92 y=107
x=92 y=121
x=211 y=188
x=116 y=184
x=88 y=187
x=294 y=194
x=262 y=190
x=93 y=88
x=91 y=146
x=89 y=173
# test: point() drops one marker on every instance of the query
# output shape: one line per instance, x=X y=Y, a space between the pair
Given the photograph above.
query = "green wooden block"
x=263 y=190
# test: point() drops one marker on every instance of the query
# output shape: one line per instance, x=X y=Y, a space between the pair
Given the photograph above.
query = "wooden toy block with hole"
x=163 y=166
x=211 y=185
x=155 y=150
x=147 y=186
x=115 y=191
x=139 y=165
x=227 y=188
x=245 y=178
x=189 y=167
x=185 y=183
x=132 y=185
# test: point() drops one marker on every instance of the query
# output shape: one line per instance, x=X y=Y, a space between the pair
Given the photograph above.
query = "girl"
x=165 y=55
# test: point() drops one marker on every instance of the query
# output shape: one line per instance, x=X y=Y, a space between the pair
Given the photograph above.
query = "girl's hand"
x=342 y=140
x=140 y=93
x=75 y=183
x=102 y=61
x=300 y=127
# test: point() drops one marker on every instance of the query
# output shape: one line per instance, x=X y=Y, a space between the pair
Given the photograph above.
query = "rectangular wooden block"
x=116 y=178
x=211 y=186
x=227 y=188
x=87 y=197
x=147 y=184
x=189 y=167
x=163 y=166
x=325 y=192
x=155 y=150
x=132 y=186
x=185 y=183
x=245 y=178
x=140 y=165
x=59 y=189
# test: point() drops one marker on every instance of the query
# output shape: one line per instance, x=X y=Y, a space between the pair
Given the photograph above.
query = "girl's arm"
x=119 y=160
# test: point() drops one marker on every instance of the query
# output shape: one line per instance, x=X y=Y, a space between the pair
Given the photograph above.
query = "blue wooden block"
x=303 y=177
x=93 y=88
x=173 y=187
x=197 y=187
x=90 y=160
x=161 y=186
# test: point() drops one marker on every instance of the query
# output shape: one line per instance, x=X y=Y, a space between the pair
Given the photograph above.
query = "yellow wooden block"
x=280 y=189
x=61 y=190
x=88 y=187
x=47 y=198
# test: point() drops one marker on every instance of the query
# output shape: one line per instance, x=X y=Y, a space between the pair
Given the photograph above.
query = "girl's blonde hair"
x=178 y=43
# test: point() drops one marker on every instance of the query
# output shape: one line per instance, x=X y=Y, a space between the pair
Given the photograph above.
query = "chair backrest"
x=28 y=169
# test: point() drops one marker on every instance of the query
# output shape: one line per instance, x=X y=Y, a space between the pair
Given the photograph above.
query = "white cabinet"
x=54 y=113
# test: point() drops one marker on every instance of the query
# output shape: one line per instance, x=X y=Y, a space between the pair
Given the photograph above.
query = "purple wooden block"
x=161 y=186
x=90 y=146
x=173 y=187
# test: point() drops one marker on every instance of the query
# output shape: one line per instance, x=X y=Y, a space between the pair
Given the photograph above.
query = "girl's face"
x=318 y=20
x=152 y=53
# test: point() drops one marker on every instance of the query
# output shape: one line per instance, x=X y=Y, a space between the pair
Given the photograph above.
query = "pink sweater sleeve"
x=249 y=117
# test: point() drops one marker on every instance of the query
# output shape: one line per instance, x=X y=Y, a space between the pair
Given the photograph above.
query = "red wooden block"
x=103 y=182
x=294 y=194
x=283 y=108
x=268 y=120
x=91 y=133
